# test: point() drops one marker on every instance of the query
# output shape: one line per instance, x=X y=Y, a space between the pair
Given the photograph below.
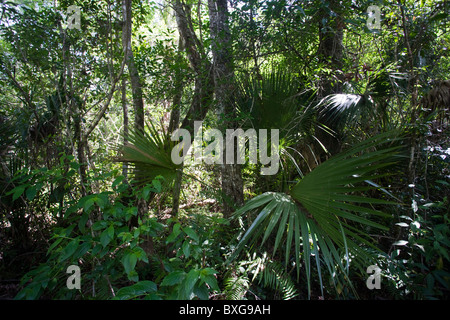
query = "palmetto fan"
x=149 y=153
x=320 y=216
x=276 y=100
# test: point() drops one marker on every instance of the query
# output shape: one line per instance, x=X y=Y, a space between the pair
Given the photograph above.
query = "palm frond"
x=276 y=100
x=322 y=211
x=341 y=109
x=149 y=153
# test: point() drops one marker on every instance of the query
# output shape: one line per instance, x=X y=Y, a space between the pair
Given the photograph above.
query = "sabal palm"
x=319 y=216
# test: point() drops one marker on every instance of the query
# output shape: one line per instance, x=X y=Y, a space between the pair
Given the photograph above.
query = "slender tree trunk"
x=413 y=88
x=136 y=84
x=232 y=184
x=125 y=123
x=173 y=125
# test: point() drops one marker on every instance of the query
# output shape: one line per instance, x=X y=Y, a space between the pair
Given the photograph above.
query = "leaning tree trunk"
x=198 y=59
x=232 y=184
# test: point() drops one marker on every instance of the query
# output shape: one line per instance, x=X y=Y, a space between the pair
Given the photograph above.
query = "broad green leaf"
x=138 y=289
x=88 y=204
x=118 y=180
x=175 y=232
x=157 y=185
x=107 y=235
x=146 y=191
x=69 y=250
x=31 y=193
x=191 y=233
x=173 y=278
x=129 y=262
x=82 y=222
x=186 y=248
x=189 y=282
x=17 y=192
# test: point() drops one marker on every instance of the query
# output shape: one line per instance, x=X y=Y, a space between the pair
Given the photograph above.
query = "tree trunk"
x=125 y=124
x=136 y=85
x=232 y=184
x=203 y=91
x=330 y=53
x=330 y=49
x=174 y=123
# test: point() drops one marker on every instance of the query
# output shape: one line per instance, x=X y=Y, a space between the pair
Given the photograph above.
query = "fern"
x=236 y=287
x=268 y=274
x=275 y=277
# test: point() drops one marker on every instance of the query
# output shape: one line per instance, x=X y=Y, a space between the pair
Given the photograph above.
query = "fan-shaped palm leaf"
x=341 y=108
x=149 y=152
x=275 y=101
x=323 y=211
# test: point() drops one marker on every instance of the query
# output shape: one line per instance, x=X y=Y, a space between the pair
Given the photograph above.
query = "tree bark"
x=232 y=184
x=174 y=123
x=330 y=50
x=204 y=90
x=125 y=123
x=330 y=53
x=136 y=84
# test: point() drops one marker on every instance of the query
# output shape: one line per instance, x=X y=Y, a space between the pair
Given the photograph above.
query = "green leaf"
x=69 y=250
x=173 y=278
x=191 y=233
x=107 y=235
x=186 y=248
x=175 y=232
x=18 y=191
x=207 y=275
x=138 y=289
x=99 y=225
x=157 y=185
x=188 y=284
x=82 y=222
x=201 y=291
x=82 y=249
x=110 y=231
x=54 y=244
x=88 y=204
x=31 y=193
x=140 y=254
x=129 y=262
x=133 y=276
x=118 y=180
